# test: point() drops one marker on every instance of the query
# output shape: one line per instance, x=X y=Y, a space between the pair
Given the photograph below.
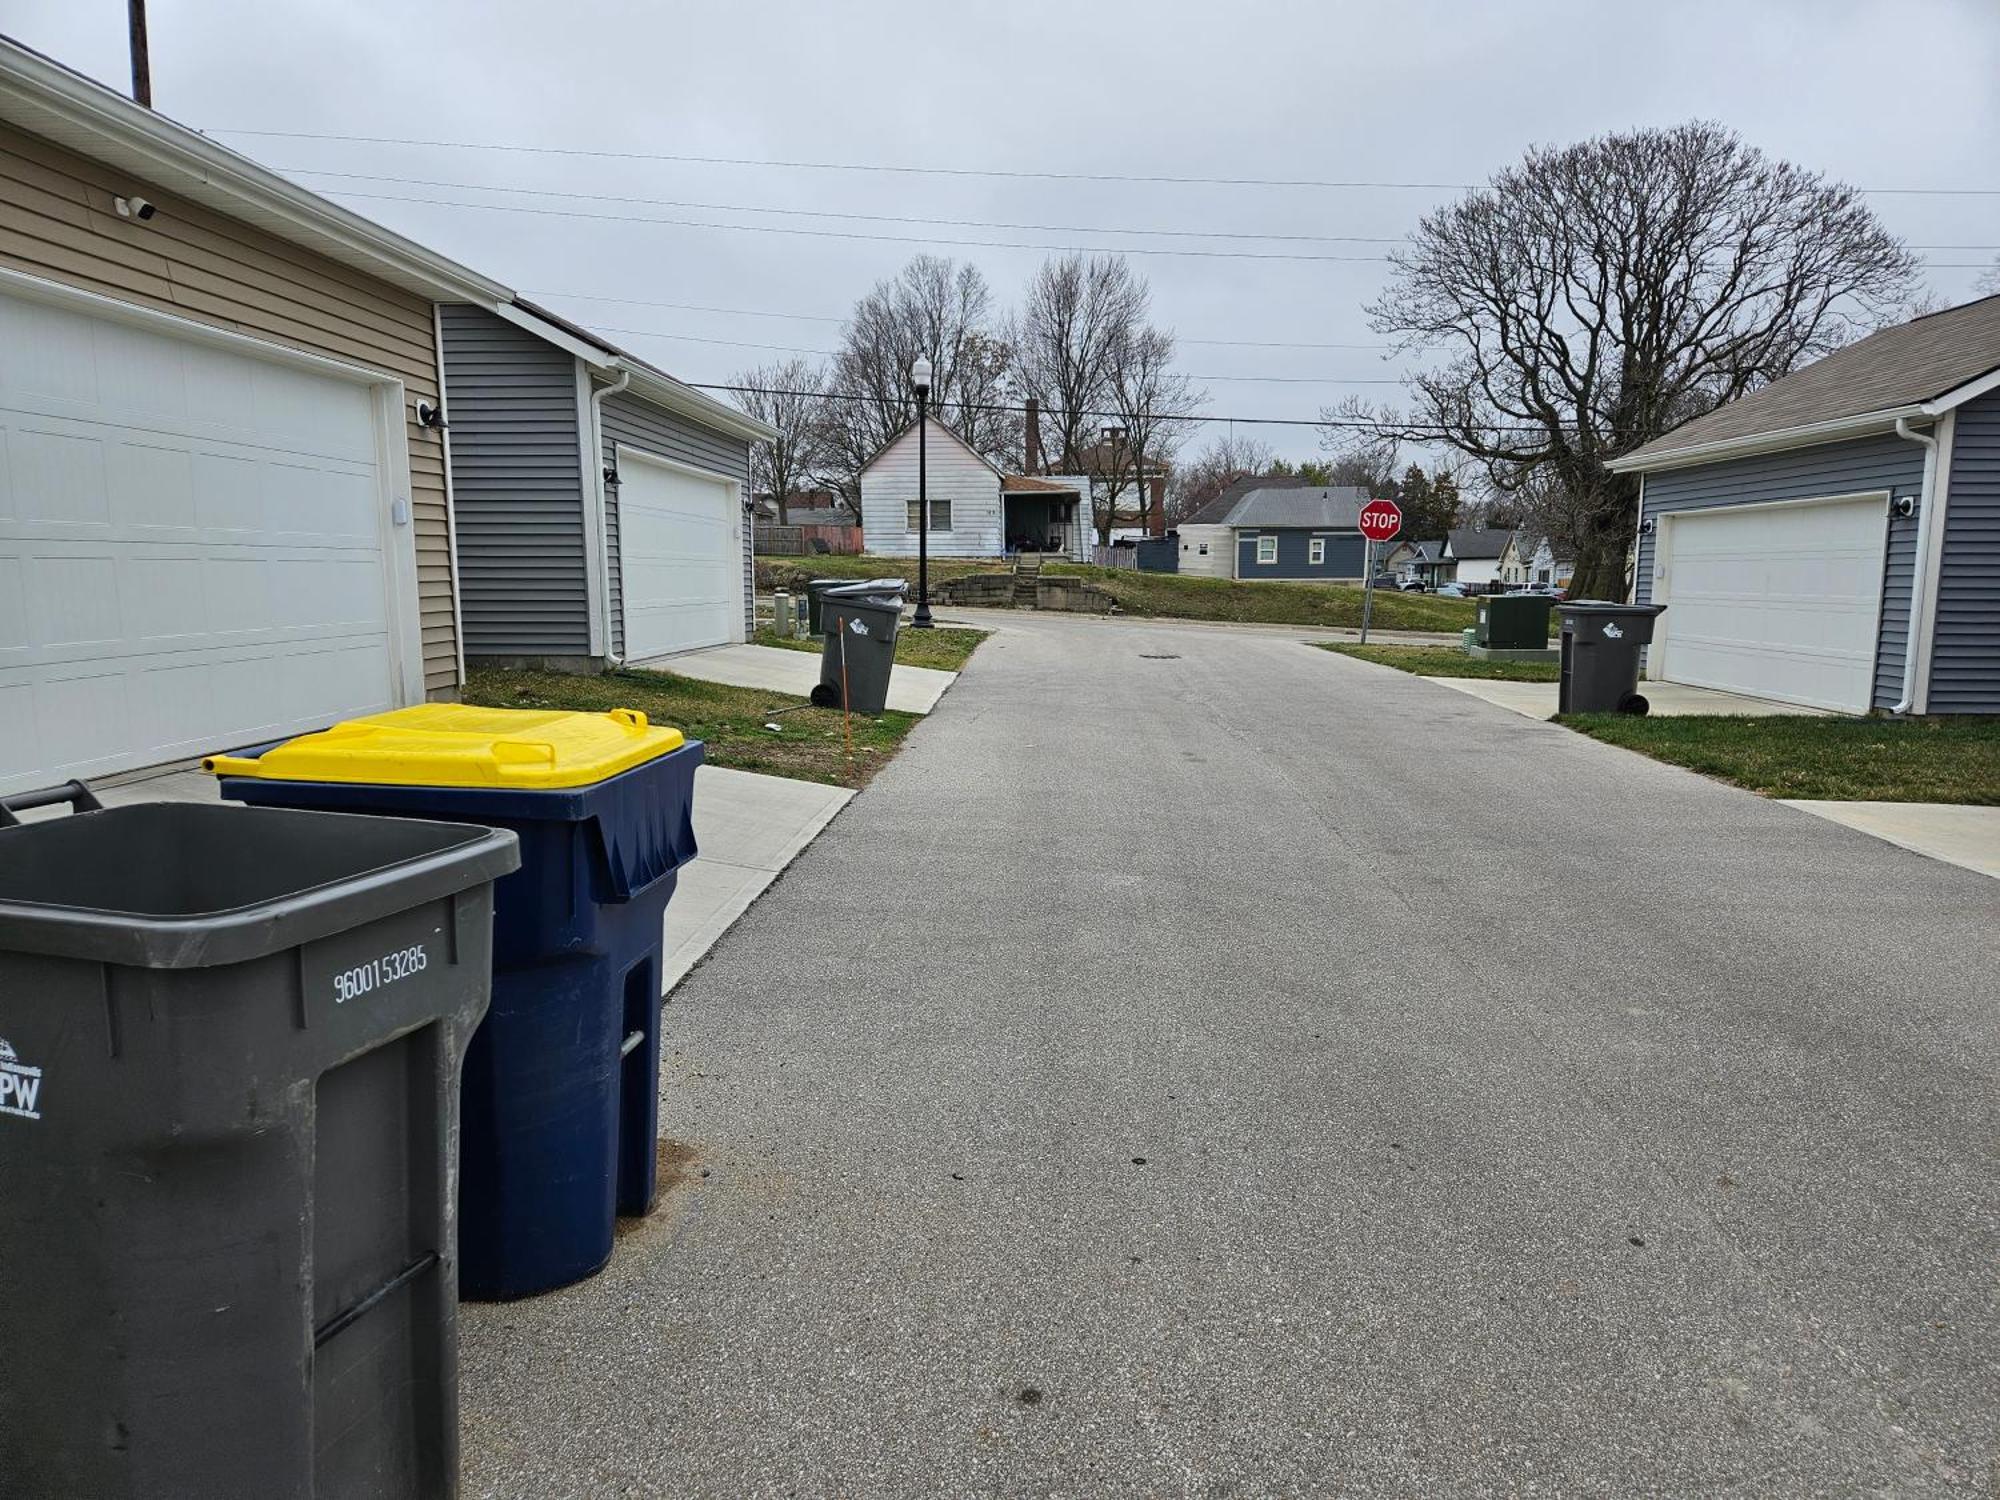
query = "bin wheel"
x=1634 y=704
x=825 y=695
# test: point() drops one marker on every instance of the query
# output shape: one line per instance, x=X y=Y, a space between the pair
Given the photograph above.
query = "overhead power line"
x=850 y=234
x=912 y=170
x=1421 y=431
x=831 y=213
x=690 y=338
x=753 y=312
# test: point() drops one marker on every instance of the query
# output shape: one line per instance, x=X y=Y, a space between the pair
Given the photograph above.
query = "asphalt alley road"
x=1202 y=1064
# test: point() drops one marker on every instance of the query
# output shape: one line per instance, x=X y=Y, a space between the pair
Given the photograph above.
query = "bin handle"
x=80 y=798
x=631 y=718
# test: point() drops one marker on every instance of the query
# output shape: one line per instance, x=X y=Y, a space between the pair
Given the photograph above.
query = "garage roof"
x=1917 y=370
x=41 y=96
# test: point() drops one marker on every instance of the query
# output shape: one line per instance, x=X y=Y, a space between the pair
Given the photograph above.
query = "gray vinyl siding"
x=1880 y=463
x=637 y=424
x=1965 y=643
x=1343 y=554
x=517 y=488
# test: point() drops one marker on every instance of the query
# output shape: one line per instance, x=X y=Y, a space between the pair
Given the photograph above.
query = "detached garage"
x=602 y=505
x=1833 y=540
x=221 y=519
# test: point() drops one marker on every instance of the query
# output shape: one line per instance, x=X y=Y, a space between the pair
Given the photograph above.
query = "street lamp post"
x=1112 y=437
x=920 y=380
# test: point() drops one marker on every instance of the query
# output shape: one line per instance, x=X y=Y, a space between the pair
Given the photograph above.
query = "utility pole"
x=142 y=59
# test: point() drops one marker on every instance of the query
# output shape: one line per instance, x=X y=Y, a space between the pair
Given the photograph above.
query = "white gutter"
x=1866 y=424
x=1919 y=567
x=663 y=390
x=44 y=98
x=450 y=492
x=601 y=504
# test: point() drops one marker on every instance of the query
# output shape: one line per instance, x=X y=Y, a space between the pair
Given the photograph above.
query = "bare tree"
x=1598 y=295
x=1152 y=401
x=1988 y=284
x=1366 y=448
x=788 y=396
x=935 y=308
x=1078 y=315
x=1226 y=459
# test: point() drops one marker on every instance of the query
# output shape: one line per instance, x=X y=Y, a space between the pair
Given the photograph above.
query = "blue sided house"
x=1833 y=540
x=1262 y=528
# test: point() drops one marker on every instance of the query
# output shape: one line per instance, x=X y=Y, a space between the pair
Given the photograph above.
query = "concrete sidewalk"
x=748 y=827
x=1965 y=836
x=912 y=690
x=1537 y=700
x=1030 y=619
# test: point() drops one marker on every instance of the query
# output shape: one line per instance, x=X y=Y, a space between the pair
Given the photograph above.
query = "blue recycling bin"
x=560 y=1100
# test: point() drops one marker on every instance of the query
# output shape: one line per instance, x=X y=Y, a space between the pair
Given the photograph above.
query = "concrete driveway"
x=1202 y=1064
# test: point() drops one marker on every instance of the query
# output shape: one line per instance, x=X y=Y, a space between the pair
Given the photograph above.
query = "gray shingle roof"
x=1333 y=507
x=1214 y=512
x=1336 y=506
x=1471 y=542
x=1911 y=363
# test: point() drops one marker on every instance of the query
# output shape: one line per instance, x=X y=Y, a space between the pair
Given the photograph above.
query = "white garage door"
x=680 y=558
x=1779 y=601
x=192 y=550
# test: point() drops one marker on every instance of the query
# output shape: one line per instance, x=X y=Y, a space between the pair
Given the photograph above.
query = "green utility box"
x=1514 y=622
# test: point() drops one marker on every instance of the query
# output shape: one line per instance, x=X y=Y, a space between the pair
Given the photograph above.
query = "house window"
x=1542 y=575
x=1316 y=554
x=1204 y=549
x=1267 y=550
x=940 y=515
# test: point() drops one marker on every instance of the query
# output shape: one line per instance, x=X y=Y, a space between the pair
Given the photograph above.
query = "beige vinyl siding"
x=57 y=220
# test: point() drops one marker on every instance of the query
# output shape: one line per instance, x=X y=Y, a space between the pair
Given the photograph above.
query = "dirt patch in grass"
x=1445 y=661
x=945 y=648
x=809 y=744
x=1168 y=596
x=1942 y=759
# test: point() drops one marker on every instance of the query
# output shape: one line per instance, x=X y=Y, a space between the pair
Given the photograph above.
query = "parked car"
x=1452 y=591
x=1415 y=586
x=1386 y=581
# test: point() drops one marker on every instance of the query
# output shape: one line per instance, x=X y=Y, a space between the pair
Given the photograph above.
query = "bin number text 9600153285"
x=362 y=979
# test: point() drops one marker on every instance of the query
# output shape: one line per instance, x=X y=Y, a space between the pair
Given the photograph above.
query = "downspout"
x=611 y=652
x=1919 y=571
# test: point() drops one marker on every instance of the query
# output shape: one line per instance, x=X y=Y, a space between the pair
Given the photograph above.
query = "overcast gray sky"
x=1881 y=93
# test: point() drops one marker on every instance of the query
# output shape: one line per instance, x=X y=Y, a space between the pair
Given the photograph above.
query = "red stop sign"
x=1381 y=520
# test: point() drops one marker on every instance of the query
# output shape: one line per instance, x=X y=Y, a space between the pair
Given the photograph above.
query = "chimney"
x=1157 y=521
x=1033 y=451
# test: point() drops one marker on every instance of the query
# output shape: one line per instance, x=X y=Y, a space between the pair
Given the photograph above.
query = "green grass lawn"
x=808 y=746
x=1168 y=596
x=945 y=648
x=1448 y=661
x=1945 y=759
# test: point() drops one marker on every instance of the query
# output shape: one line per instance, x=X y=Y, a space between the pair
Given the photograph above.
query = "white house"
x=1546 y=566
x=1477 y=554
x=976 y=510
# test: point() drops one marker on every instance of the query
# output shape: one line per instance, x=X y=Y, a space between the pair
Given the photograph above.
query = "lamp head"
x=920 y=375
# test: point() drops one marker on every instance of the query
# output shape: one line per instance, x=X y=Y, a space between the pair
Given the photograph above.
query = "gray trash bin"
x=858 y=634
x=228 y=1133
x=816 y=591
x=1601 y=642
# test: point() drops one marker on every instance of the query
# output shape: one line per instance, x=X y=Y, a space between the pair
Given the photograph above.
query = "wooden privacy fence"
x=1115 y=557
x=797 y=541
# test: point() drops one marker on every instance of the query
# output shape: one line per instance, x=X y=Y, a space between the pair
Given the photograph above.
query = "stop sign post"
x=1380 y=520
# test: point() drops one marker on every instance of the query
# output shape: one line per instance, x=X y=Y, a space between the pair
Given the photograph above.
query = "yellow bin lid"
x=455 y=744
